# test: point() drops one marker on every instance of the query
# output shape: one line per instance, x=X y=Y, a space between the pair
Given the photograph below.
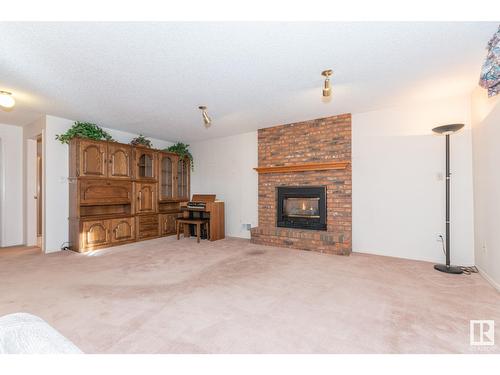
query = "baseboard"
x=488 y=278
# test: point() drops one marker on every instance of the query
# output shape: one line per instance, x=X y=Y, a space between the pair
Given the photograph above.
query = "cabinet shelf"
x=117 y=203
x=171 y=212
x=104 y=217
x=179 y=200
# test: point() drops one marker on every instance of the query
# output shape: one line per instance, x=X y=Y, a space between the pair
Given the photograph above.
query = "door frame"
x=35 y=167
x=31 y=192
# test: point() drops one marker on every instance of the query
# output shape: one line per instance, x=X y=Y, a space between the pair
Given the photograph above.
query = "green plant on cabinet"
x=84 y=130
x=182 y=150
x=141 y=141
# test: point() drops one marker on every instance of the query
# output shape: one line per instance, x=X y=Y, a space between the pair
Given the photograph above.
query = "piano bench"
x=179 y=222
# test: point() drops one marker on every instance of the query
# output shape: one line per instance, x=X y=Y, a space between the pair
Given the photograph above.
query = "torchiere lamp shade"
x=448 y=129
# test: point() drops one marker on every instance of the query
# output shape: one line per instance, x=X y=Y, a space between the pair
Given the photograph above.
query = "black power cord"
x=64 y=246
x=469 y=270
x=466 y=270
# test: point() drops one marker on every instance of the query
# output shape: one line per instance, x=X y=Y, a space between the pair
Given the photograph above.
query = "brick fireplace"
x=297 y=164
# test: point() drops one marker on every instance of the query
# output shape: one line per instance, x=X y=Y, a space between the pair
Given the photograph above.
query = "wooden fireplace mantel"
x=304 y=167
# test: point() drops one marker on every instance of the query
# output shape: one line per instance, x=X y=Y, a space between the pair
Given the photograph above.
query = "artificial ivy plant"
x=141 y=141
x=182 y=150
x=84 y=130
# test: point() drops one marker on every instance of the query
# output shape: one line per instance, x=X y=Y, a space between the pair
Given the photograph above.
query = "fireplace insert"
x=301 y=207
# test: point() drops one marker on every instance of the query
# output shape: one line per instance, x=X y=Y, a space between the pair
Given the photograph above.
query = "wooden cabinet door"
x=167 y=176
x=93 y=158
x=119 y=161
x=167 y=224
x=146 y=168
x=182 y=179
x=122 y=229
x=147 y=200
x=95 y=234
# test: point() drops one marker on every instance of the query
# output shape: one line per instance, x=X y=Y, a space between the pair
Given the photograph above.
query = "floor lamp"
x=446 y=130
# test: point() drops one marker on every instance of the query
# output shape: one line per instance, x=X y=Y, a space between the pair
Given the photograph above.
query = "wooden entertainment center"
x=121 y=193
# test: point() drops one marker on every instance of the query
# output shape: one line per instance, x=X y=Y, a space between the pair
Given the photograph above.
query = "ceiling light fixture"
x=327 y=89
x=206 y=119
x=6 y=100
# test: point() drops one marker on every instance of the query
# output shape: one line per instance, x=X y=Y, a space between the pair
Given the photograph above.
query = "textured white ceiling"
x=151 y=77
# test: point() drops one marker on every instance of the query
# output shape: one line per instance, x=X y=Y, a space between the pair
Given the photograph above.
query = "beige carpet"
x=229 y=296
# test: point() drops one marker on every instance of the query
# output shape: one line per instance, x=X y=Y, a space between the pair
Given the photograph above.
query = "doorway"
x=34 y=192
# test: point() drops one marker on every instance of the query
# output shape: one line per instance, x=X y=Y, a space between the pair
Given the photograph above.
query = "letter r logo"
x=482 y=332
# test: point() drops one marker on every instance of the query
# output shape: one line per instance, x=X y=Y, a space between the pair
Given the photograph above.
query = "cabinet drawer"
x=105 y=192
x=148 y=219
x=147 y=226
x=148 y=234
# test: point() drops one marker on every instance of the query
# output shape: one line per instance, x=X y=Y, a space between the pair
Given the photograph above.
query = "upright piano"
x=206 y=206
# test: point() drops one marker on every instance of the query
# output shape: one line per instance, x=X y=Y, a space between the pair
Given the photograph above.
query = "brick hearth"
x=315 y=141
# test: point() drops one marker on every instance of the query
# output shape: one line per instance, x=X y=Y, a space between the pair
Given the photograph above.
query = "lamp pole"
x=447 y=130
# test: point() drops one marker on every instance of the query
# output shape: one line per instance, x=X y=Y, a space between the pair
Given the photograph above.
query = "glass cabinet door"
x=166 y=187
x=183 y=179
x=146 y=166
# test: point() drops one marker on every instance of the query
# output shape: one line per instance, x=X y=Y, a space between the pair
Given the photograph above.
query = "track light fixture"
x=327 y=89
x=6 y=100
x=206 y=119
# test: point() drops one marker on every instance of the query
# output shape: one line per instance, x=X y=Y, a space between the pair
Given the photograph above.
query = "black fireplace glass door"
x=302 y=207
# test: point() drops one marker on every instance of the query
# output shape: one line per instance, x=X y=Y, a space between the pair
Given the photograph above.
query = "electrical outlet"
x=247 y=226
x=439 y=237
x=484 y=248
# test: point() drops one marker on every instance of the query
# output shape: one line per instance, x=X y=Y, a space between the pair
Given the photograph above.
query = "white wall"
x=398 y=186
x=223 y=166
x=398 y=200
x=486 y=151
x=11 y=185
x=56 y=185
x=125 y=137
x=56 y=177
